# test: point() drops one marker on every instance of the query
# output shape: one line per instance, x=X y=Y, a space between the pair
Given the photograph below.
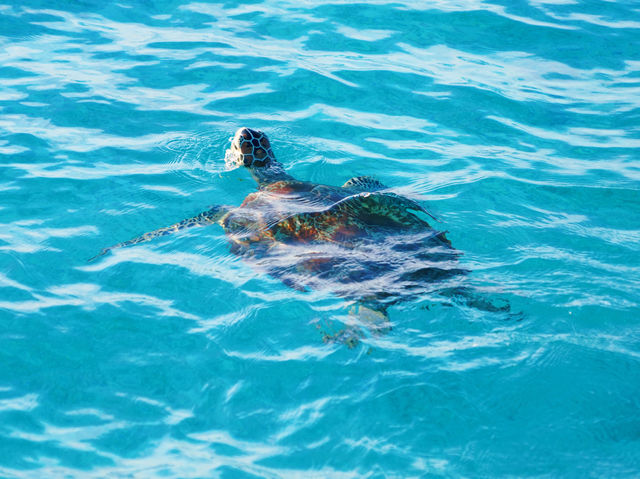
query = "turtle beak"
x=233 y=156
x=231 y=160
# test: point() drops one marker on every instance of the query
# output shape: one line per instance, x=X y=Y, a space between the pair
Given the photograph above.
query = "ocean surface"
x=516 y=123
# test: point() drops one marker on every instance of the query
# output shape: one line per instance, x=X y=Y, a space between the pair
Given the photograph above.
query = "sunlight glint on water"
x=515 y=123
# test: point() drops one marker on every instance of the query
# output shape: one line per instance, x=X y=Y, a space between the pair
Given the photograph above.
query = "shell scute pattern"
x=293 y=229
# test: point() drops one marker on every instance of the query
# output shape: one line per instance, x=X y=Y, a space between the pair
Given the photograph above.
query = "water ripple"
x=515 y=122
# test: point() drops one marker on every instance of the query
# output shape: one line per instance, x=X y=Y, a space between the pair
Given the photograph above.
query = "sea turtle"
x=360 y=240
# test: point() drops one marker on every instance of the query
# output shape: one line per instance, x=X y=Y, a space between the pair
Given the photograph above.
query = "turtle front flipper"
x=364 y=183
x=205 y=218
x=369 y=210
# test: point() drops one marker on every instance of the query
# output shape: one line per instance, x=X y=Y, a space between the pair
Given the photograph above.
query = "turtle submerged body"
x=364 y=246
x=359 y=241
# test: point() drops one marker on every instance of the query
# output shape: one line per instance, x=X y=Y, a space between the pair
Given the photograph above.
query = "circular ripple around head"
x=197 y=157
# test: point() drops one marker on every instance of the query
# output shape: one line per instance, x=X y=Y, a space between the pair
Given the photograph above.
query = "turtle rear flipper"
x=370 y=320
x=468 y=297
x=364 y=183
x=374 y=317
x=205 y=218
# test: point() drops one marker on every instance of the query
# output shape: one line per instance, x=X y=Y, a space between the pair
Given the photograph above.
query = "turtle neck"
x=265 y=175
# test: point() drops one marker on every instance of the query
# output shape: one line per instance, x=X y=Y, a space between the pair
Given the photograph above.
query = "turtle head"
x=249 y=148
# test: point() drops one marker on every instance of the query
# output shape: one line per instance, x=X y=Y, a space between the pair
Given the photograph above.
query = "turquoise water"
x=516 y=123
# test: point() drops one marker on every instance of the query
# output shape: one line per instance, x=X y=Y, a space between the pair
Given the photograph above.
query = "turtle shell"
x=365 y=246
